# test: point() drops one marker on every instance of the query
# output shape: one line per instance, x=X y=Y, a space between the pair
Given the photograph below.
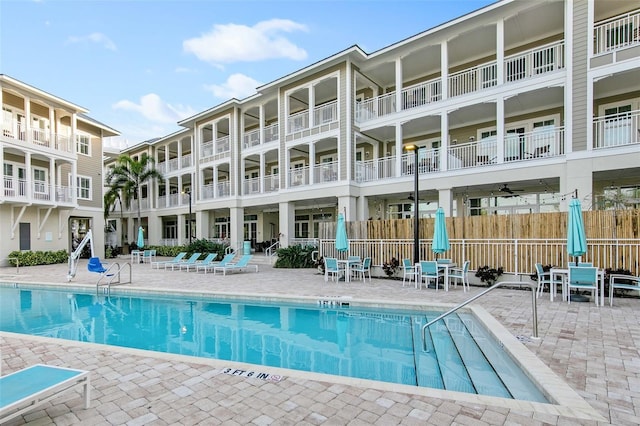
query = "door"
x=25 y=236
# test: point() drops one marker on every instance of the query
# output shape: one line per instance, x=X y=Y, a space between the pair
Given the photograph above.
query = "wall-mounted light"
x=472 y=138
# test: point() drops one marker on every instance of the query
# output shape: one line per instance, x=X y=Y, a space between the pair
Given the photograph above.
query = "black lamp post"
x=416 y=203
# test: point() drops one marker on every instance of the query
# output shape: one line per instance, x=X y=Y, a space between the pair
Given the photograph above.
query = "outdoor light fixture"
x=416 y=203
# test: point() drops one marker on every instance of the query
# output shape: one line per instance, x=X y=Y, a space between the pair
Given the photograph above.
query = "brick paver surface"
x=595 y=350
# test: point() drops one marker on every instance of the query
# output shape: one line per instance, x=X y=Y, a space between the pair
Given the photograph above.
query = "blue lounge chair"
x=240 y=265
x=27 y=388
x=193 y=259
x=193 y=266
x=176 y=259
x=225 y=260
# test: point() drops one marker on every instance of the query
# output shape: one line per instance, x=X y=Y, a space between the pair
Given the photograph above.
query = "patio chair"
x=228 y=258
x=460 y=274
x=408 y=271
x=429 y=271
x=363 y=269
x=622 y=282
x=583 y=278
x=331 y=268
x=353 y=262
x=25 y=389
x=148 y=256
x=193 y=259
x=545 y=278
x=176 y=259
x=240 y=265
x=193 y=266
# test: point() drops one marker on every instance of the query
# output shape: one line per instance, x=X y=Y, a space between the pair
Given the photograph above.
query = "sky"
x=140 y=66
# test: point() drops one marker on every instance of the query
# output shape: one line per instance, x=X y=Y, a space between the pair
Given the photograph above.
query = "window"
x=83 y=144
x=84 y=187
x=39 y=181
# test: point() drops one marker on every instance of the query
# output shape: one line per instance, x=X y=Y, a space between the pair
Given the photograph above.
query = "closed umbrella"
x=440 y=242
x=140 y=242
x=342 y=242
x=576 y=238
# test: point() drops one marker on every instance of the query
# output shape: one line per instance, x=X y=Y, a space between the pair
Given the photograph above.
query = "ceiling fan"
x=505 y=188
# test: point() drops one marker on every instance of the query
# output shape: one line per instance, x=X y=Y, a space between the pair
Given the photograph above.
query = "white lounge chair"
x=193 y=259
x=240 y=265
x=27 y=388
x=622 y=282
x=176 y=259
x=187 y=266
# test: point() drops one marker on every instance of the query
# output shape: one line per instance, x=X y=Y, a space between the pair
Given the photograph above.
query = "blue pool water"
x=382 y=345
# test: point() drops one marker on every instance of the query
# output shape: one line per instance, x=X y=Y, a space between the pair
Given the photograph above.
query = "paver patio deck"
x=596 y=351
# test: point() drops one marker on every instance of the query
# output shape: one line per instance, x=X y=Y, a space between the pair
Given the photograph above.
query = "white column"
x=215 y=182
x=568 y=85
x=363 y=208
x=445 y=200
x=52 y=128
x=312 y=106
x=398 y=84
x=444 y=140
x=27 y=115
x=500 y=129
x=236 y=231
x=52 y=179
x=262 y=171
x=500 y=51
x=444 y=69
x=312 y=162
x=287 y=223
x=347 y=206
x=74 y=181
x=398 y=149
x=261 y=116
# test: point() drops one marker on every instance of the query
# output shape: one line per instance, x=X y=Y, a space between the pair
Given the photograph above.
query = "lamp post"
x=416 y=203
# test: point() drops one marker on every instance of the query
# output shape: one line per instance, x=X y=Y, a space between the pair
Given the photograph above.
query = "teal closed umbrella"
x=342 y=242
x=140 y=241
x=576 y=238
x=440 y=242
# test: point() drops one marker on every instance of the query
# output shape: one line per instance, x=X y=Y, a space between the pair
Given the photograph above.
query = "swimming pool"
x=330 y=337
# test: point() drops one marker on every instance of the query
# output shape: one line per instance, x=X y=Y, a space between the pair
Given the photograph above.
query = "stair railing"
x=534 y=308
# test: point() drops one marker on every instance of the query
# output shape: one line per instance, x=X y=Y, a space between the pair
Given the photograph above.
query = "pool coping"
x=566 y=401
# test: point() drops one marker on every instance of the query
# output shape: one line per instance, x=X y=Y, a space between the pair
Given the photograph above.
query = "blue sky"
x=140 y=66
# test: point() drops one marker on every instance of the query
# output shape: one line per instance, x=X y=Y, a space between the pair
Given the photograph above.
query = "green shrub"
x=33 y=258
x=298 y=256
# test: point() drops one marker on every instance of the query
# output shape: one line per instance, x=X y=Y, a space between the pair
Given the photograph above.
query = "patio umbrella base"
x=579 y=298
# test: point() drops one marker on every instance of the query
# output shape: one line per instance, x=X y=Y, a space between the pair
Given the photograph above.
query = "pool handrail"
x=534 y=308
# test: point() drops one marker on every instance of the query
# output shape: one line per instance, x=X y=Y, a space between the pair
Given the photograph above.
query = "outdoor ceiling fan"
x=505 y=188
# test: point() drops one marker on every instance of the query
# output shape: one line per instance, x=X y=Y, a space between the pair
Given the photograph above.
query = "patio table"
x=563 y=274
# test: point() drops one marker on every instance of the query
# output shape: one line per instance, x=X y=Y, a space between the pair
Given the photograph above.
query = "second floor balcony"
x=254 y=138
x=616 y=130
x=213 y=150
x=521 y=66
x=270 y=183
x=21 y=191
x=175 y=164
x=22 y=134
x=617 y=33
x=322 y=114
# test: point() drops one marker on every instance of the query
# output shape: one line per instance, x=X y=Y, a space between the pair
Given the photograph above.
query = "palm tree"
x=125 y=181
x=111 y=199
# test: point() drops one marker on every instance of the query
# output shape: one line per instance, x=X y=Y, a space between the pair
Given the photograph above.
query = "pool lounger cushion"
x=27 y=388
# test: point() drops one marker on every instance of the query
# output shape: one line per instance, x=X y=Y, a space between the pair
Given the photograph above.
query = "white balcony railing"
x=40 y=191
x=538 y=143
x=472 y=154
x=272 y=183
x=473 y=79
x=218 y=149
x=379 y=106
x=251 y=138
x=251 y=186
x=616 y=130
x=223 y=189
x=186 y=160
x=617 y=33
x=534 y=62
x=42 y=138
x=327 y=113
x=298 y=121
x=377 y=169
x=325 y=172
x=422 y=94
x=271 y=133
x=299 y=176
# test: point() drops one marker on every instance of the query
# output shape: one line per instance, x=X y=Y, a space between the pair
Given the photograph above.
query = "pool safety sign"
x=253 y=374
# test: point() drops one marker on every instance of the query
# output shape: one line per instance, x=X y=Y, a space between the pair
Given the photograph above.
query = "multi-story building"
x=514 y=108
x=51 y=154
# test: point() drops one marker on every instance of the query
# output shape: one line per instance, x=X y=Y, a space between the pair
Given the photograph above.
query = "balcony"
x=252 y=138
x=221 y=190
x=616 y=33
x=299 y=176
x=36 y=137
x=522 y=66
x=322 y=115
x=15 y=190
x=325 y=172
x=175 y=164
x=212 y=151
x=616 y=130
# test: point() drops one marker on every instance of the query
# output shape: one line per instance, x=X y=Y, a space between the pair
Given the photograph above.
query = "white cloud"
x=98 y=38
x=237 y=86
x=153 y=108
x=240 y=43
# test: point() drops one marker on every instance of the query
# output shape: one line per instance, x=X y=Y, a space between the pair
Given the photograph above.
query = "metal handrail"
x=534 y=308
x=113 y=275
x=271 y=250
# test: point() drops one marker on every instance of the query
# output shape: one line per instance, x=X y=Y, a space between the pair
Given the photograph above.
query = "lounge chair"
x=25 y=389
x=622 y=282
x=176 y=259
x=240 y=265
x=193 y=259
x=193 y=266
x=226 y=259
